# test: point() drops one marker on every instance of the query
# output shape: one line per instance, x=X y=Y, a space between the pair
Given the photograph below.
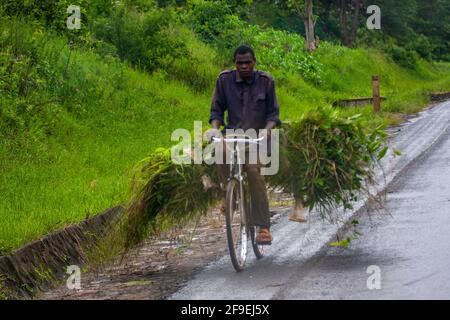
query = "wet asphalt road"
x=410 y=247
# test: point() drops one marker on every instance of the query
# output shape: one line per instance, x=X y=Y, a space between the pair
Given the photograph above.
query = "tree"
x=304 y=10
x=433 y=25
x=326 y=9
x=348 y=37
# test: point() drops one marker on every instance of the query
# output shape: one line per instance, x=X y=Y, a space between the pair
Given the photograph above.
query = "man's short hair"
x=243 y=50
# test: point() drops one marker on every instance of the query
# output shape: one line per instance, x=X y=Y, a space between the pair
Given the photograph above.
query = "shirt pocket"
x=259 y=102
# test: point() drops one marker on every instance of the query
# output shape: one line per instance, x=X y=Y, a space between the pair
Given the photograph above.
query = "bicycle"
x=238 y=208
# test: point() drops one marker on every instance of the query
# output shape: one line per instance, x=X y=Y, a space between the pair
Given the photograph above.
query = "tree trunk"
x=343 y=22
x=326 y=17
x=309 y=26
x=355 y=22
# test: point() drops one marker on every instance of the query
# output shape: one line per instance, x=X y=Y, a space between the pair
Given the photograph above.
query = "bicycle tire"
x=257 y=248
x=237 y=247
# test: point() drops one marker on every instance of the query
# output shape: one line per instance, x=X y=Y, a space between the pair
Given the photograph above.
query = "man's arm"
x=218 y=106
x=273 y=110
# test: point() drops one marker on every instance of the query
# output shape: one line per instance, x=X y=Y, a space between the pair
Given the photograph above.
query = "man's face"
x=245 y=64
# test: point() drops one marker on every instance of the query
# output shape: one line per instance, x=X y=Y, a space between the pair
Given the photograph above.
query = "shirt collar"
x=249 y=81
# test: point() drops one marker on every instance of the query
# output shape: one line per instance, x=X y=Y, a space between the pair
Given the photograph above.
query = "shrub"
x=211 y=19
x=144 y=39
x=51 y=13
x=403 y=57
x=284 y=51
x=422 y=46
x=20 y=77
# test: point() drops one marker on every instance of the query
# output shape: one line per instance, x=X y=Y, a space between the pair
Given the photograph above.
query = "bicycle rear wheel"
x=236 y=225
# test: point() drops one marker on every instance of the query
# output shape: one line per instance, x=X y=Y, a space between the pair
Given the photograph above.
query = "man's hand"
x=268 y=129
x=270 y=125
x=267 y=133
x=215 y=124
x=213 y=132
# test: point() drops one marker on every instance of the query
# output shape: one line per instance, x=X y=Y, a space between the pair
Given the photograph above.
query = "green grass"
x=87 y=169
x=110 y=116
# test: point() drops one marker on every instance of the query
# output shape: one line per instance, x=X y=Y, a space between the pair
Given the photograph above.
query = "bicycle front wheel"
x=236 y=224
x=257 y=248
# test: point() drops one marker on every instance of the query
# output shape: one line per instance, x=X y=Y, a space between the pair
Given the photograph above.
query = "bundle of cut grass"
x=165 y=193
x=325 y=161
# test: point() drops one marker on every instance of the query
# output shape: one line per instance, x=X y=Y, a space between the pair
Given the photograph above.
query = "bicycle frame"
x=236 y=176
x=235 y=156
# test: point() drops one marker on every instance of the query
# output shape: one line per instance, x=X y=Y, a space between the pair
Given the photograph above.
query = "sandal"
x=264 y=237
x=297 y=218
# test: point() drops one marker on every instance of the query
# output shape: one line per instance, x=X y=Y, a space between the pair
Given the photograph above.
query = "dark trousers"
x=260 y=215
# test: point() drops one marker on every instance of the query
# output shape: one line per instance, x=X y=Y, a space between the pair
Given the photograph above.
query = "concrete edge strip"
x=38 y=264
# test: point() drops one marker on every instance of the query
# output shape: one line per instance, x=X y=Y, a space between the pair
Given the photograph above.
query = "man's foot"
x=297 y=218
x=264 y=237
x=222 y=208
x=298 y=213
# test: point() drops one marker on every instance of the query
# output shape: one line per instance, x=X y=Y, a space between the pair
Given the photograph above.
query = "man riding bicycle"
x=249 y=97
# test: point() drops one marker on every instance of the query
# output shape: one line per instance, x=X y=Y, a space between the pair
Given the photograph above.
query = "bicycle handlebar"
x=255 y=141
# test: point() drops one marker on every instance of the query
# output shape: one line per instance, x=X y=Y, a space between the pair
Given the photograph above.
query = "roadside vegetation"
x=79 y=108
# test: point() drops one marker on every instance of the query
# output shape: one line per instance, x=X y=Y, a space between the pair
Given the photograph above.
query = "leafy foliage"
x=144 y=39
x=278 y=50
x=211 y=19
x=23 y=78
x=285 y=51
x=403 y=57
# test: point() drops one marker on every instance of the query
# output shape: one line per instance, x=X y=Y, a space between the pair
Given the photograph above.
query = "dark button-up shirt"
x=250 y=103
